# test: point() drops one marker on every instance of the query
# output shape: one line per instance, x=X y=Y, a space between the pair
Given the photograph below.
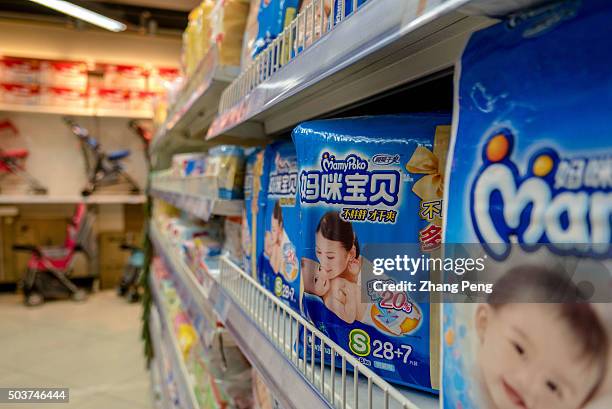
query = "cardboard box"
x=22 y=94
x=19 y=70
x=112 y=258
x=64 y=74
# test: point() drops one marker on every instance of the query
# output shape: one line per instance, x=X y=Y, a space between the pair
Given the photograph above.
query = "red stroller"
x=11 y=162
x=49 y=268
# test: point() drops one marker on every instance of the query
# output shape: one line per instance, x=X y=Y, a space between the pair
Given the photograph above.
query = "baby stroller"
x=104 y=169
x=12 y=162
x=49 y=268
x=130 y=282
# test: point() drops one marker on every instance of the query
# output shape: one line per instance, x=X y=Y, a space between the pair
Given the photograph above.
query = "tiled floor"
x=93 y=348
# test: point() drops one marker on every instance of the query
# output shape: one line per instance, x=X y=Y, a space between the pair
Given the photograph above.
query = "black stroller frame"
x=103 y=169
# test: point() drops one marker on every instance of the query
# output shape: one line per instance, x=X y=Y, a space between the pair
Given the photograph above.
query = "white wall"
x=55 y=154
x=50 y=41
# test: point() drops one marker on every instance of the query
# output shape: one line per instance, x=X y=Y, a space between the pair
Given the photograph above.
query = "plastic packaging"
x=252 y=218
x=527 y=183
x=278 y=263
x=229 y=19
x=363 y=185
x=273 y=17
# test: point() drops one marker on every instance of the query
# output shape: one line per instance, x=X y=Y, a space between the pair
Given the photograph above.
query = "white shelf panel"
x=384 y=45
x=197 y=103
x=45 y=199
x=57 y=110
x=183 y=379
x=265 y=330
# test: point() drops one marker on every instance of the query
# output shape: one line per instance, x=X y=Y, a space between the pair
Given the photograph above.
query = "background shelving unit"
x=90 y=112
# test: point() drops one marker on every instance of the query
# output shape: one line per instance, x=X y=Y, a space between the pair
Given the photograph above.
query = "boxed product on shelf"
x=228 y=20
x=140 y=100
x=225 y=164
x=530 y=185
x=63 y=97
x=278 y=267
x=125 y=77
x=17 y=70
x=371 y=188
x=160 y=77
x=272 y=18
x=64 y=74
x=24 y=94
x=252 y=218
x=112 y=99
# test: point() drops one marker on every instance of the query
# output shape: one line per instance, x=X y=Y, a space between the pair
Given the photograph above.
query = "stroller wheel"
x=86 y=192
x=34 y=299
x=79 y=295
x=133 y=296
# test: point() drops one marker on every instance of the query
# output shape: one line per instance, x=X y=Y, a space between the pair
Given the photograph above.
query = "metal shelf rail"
x=267 y=330
x=194 y=194
x=183 y=381
x=196 y=105
x=387 y=44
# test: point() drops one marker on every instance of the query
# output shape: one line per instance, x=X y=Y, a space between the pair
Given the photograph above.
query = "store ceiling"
x=168 y=16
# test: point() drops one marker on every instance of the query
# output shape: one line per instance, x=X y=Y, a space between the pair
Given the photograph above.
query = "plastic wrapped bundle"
x=228 y=21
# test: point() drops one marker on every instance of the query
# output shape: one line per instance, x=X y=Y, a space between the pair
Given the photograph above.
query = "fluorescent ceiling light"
x=83 y=14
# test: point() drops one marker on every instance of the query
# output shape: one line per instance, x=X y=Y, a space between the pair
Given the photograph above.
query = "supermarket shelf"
x=95 y=112
x=386 y=44
x=184 y=383
x=197 y=103
x=264 y=329
x=194 y=194
x=44 y=199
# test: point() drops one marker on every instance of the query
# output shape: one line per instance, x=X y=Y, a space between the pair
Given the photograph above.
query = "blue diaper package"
x=273 y=17
x=278 y=267
x=252 y=217
x=530 y=181
x=364 y=184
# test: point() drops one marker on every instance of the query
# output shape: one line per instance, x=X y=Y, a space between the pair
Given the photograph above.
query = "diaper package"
x=252 y=218
x=278 y=266
x=225 y=164
x=273 y=17
x=366 y=184
x=530 y=182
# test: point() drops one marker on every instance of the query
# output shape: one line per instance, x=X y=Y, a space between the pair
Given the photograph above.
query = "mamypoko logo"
x=348 y=181
x=384 y=159
x=563 y=202
x=330 y=163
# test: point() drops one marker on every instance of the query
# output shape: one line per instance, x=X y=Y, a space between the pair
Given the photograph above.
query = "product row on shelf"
x=312 y=264
x=34 y=83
